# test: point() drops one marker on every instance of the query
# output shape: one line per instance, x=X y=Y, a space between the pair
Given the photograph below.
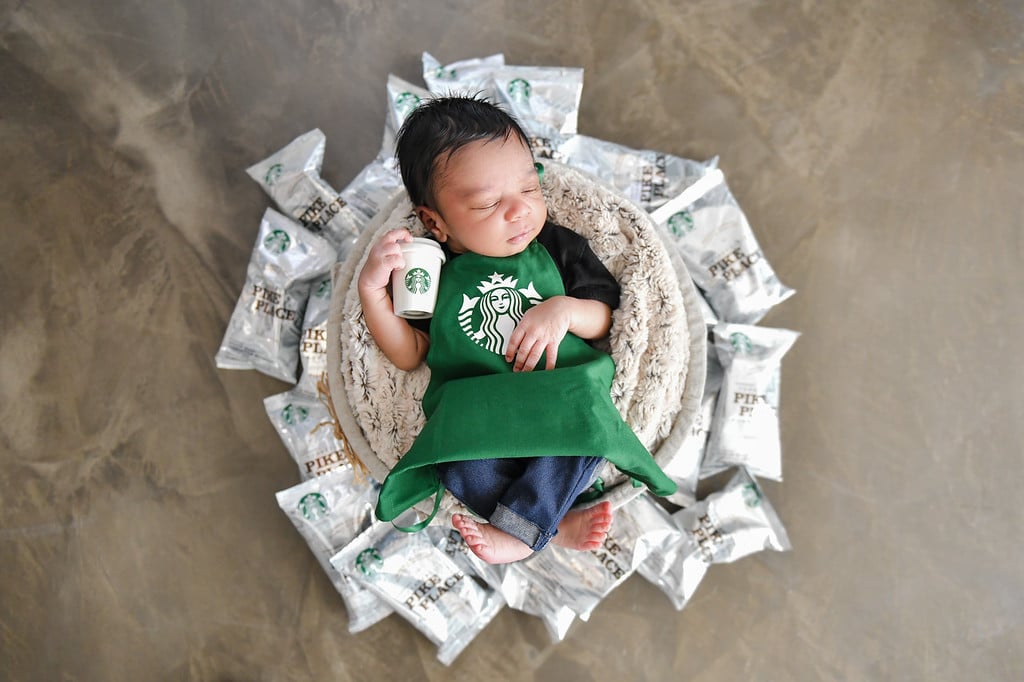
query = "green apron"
x=477 y=407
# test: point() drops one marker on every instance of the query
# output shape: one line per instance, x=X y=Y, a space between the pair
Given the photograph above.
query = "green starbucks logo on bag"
x=293 y=414
x=751 y=496
x=369 y=561
x=741 y=343
x=273 y=174
x=406 y=103
x=519 y=90
x=681 y=223
x=313 y=506
x=277 y=241
x=417 y=281
x=444 y=74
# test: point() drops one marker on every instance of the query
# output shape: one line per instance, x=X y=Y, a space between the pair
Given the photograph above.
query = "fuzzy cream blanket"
x=657 y=337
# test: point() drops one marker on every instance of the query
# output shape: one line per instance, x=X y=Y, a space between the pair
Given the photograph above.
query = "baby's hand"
x=540 y=331
x=384 y=258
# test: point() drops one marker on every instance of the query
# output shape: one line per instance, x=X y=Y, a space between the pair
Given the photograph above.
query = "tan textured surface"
x=877 y=147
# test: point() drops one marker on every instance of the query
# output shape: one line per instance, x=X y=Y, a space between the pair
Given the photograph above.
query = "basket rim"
x=344 y=273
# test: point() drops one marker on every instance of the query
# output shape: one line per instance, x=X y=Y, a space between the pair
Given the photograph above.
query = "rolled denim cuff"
x=520 y=528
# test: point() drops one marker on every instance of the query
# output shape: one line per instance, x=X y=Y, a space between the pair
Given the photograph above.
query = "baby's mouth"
x=521 y=237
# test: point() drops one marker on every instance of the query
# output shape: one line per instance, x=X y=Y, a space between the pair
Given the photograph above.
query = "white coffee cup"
x=414 y=287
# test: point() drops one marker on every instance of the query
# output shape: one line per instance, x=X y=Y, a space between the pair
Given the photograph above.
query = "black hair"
x=440 y=127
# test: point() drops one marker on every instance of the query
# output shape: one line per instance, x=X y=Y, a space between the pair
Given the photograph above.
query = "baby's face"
x=489 y=199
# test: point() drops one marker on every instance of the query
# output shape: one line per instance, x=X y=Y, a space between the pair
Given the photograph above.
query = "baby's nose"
x=517 y=210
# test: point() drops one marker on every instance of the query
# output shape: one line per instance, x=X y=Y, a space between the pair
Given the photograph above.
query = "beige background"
x=877 y=147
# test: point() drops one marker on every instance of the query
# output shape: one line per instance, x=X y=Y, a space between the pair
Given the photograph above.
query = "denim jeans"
x=527 y=497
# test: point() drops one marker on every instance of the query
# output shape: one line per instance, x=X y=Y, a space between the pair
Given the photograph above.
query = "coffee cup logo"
x=405 y=103
x=369 y=561
x=293 y=414
x=313 y=506
x=519 y=90
x=741 y=343
x=277 y=241
x=750 y=495
x=444 y=74
x=273 y=174
x=681 y=223
x=417 y=281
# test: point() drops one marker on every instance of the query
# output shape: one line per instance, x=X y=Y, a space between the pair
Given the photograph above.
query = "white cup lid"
x=427 y=247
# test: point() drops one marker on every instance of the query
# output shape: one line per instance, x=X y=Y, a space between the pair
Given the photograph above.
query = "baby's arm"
x=402 y=344
x=545 y=325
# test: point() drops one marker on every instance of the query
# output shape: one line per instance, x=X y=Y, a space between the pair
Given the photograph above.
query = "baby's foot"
x=585 y=529
x=491 y=544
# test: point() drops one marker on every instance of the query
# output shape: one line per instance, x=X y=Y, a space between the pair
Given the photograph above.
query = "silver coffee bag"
x=292 y=179
x=304 y=424
x=726 y=526
x=265 y=327
x=302 y=156
x=422 y=584
x=745 y=429
x=313 y=342
x=708 y=315
x=685 y=468
x=644 y=176
x=403 y=99
x=544 y=99
x=544 y=600
x=376 y=186
x=538 y=596
x=583 y=578
x=465 y=77
x=329 y=511
x=448 y=540
x=548 y=146
x=721 y=252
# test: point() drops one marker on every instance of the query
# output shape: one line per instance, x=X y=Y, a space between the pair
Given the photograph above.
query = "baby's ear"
x=432 y=221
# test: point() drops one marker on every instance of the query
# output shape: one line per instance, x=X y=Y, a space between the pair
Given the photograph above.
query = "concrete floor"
x=877 y=148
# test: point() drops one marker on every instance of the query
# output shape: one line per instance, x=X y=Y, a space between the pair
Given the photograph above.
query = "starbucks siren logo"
x=313 y=506
x=490 y=319
x=741 y=343
x=681 y=223
x=417 y=281
x=273 y=174
x=293 y=414
x=750 y=495
x=444 y=74
x=369 y=561
x=406 y=103
x=519 y=90
x=277 y=241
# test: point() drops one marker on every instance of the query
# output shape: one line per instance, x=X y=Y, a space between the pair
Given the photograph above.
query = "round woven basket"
x=658 y=338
